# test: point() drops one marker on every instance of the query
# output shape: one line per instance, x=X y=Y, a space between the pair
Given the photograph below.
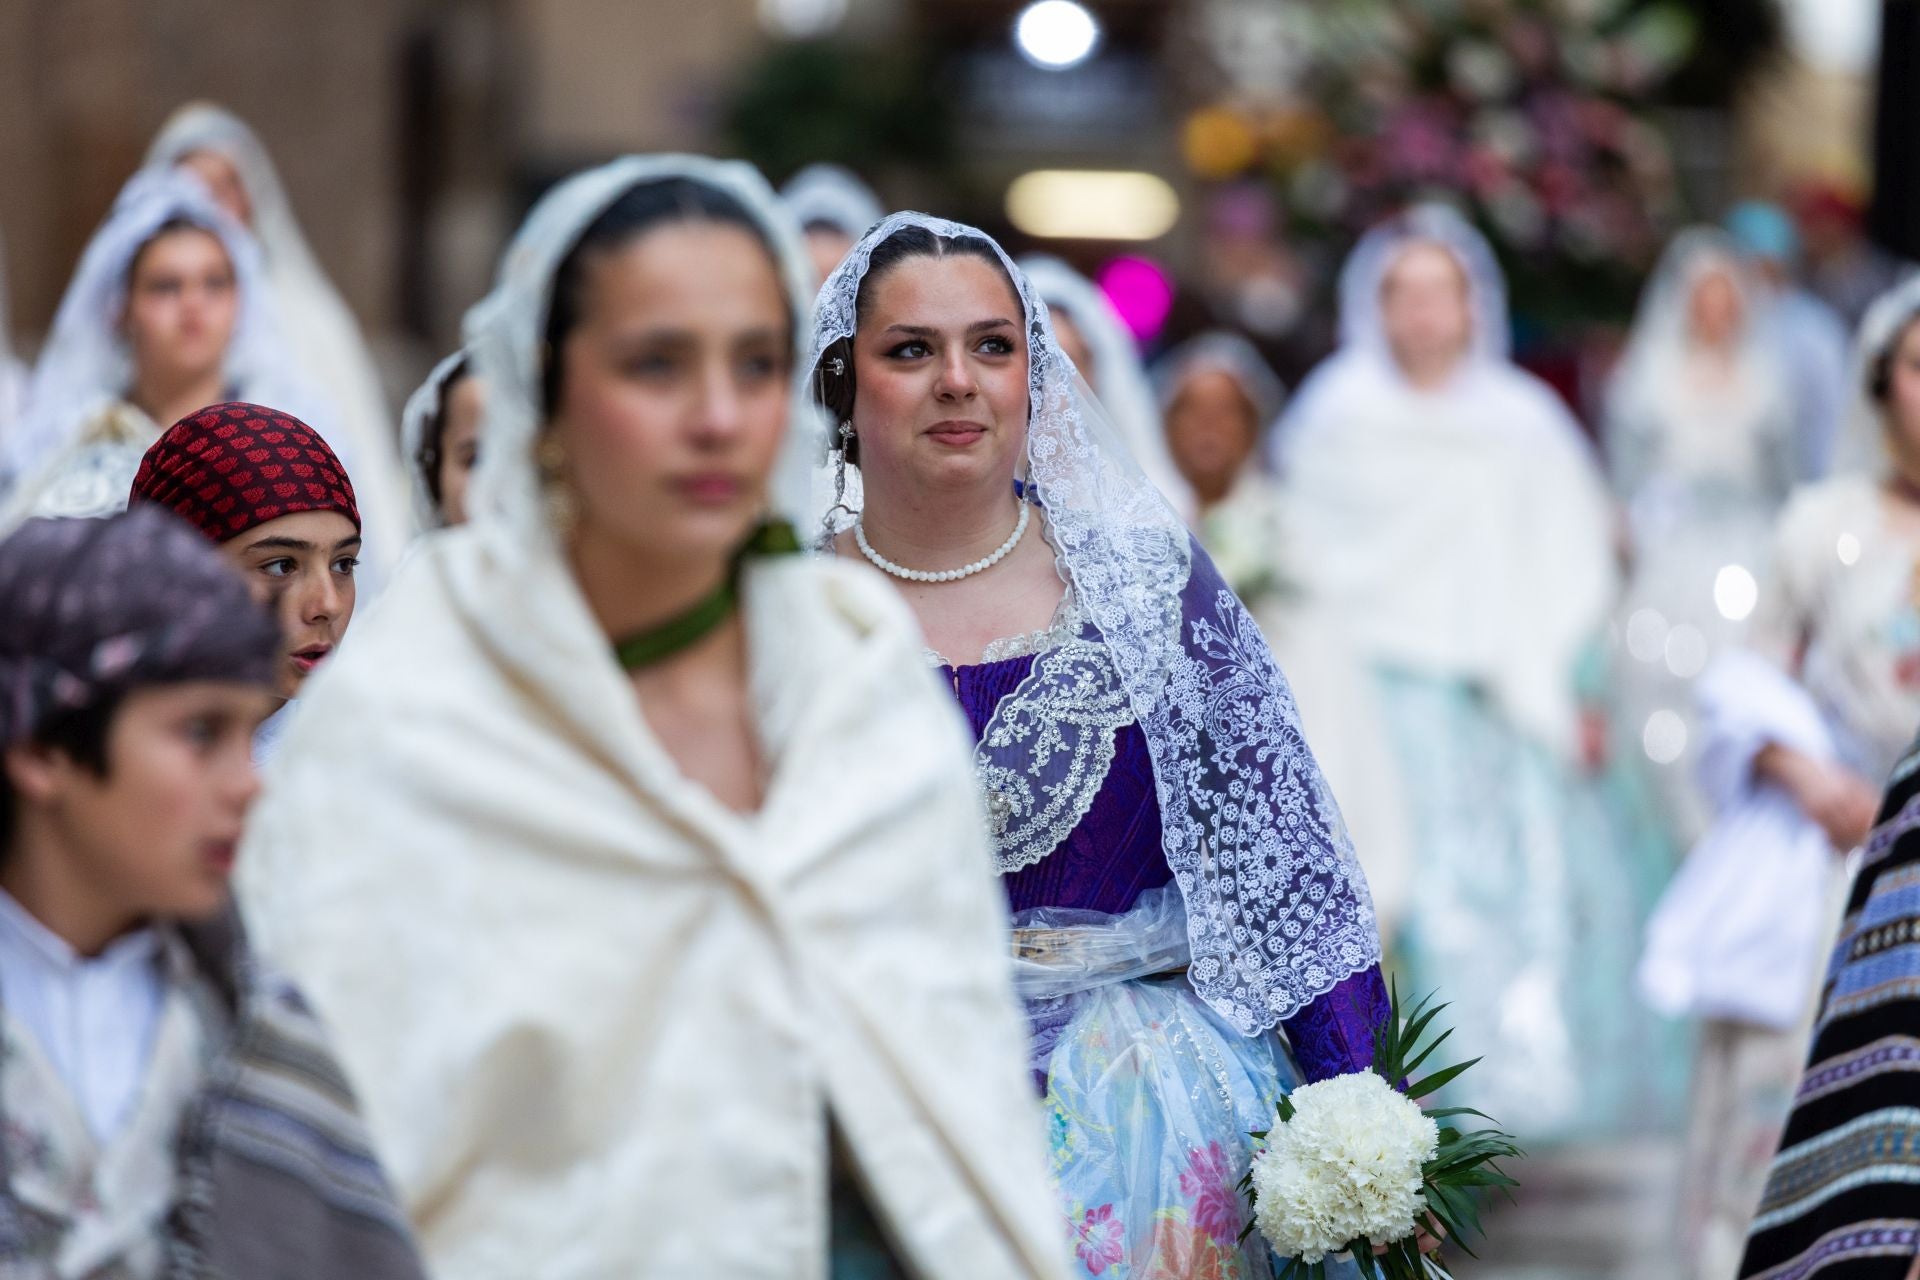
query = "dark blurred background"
x=1262 y=134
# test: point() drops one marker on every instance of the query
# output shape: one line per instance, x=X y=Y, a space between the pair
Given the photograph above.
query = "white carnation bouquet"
x=1356 y=1166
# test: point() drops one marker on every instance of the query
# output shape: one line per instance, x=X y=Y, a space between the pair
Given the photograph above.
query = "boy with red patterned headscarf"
x=266 y=488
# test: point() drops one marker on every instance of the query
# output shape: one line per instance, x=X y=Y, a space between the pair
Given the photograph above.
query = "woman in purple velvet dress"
x=1192 y=932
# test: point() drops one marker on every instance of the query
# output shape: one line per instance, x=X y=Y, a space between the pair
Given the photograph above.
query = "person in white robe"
x=1808 y=337
x=632 y=1010
x=1700 y=442
x=1218 y=397
x=116 y=370
x=834 y=207
x=1445 y=507
x=223 y=152
x=440 y=433
x=1802 y=727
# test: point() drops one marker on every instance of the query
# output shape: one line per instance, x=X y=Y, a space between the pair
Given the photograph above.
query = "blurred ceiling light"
x=799 y=19
x=1835 y=35
x=1056 y=34
x=1090 y=204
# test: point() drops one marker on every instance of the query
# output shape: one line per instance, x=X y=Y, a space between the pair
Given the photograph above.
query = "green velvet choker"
x=676 y=634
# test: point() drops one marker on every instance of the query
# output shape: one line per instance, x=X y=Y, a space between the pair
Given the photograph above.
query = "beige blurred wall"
x=1801 y=122
x=605 y=76
x=84 y=84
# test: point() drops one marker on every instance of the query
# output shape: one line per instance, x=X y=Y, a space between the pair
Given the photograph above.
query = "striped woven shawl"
x=276 y=1175
x=1843 y=1197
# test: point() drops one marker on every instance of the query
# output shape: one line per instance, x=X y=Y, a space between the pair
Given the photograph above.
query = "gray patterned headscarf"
x=94 y=608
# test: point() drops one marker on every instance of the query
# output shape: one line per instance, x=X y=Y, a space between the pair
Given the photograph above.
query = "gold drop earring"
x=563 y=507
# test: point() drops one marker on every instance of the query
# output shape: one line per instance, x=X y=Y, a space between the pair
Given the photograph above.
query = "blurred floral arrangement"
x=1535 y=117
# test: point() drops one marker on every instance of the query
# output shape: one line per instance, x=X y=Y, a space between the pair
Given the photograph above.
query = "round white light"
x=1834 y=35
x=1735 y=593
x=1646 y=635
x=1056 y=33
x=1848 y=549
x=1687 y=651
x=1665 y=737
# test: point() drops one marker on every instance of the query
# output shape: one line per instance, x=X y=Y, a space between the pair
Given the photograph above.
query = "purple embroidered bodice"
x=1114 y=855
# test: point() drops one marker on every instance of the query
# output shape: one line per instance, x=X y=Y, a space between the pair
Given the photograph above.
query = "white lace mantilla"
x=1276 y=906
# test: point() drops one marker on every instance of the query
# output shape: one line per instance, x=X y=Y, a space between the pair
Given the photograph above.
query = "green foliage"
x=830 y=100
x=1745 y=35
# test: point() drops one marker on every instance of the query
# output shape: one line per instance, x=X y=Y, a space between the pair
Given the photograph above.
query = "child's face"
x=459 y=447
x=301 y=566
x=160 y=830
x=182 y=305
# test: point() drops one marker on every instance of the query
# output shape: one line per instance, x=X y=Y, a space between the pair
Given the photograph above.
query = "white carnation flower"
x=1346 y=1167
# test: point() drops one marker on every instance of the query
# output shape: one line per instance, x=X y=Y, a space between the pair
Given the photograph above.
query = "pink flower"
x=1209 y=1180
x=1605 y=122
x=1561 y=188
x=1101 y=1235
x=1486 y=171
x=1420 y=143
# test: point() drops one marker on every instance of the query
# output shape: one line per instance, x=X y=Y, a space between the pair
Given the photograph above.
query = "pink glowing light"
x=1141 y=291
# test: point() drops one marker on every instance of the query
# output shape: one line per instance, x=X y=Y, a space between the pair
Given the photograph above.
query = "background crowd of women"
x=1603 y=720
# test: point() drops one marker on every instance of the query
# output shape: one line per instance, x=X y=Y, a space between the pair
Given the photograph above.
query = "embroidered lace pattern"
x=1277 y=908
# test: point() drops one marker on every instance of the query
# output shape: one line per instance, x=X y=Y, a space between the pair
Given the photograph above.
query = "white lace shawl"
x=1277 y=907
x=1119 y=377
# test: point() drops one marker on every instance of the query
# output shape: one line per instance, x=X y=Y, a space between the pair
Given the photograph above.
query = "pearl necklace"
x=941 y=575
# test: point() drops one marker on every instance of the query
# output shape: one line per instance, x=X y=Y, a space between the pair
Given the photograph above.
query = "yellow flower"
x=1218 y=143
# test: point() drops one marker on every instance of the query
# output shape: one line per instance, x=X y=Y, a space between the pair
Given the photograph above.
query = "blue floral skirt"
x=1152 y=1100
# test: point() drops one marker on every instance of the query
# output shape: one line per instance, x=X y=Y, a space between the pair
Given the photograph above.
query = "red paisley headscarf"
x=230 y=467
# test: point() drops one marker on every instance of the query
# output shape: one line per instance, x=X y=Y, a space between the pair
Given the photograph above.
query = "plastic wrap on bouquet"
x=1151 y=1095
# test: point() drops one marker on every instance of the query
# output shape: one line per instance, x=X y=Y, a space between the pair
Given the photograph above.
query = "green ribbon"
x=769 y=538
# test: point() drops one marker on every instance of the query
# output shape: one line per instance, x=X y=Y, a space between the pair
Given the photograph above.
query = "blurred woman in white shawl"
x=691 y=959
x=225 y=154
x=1096 y=340
x=1444 y=504
x=833 y=208
x=1800 y=730
x=1700 y=443
x=440 y=434
x=1217 y=398
x=166 y=314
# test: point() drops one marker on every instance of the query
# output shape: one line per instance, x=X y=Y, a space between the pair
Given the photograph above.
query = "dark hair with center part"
x=641 y=209
x=177 y=223
x=835 y=390
x=428 y=457
x=1242 y=398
